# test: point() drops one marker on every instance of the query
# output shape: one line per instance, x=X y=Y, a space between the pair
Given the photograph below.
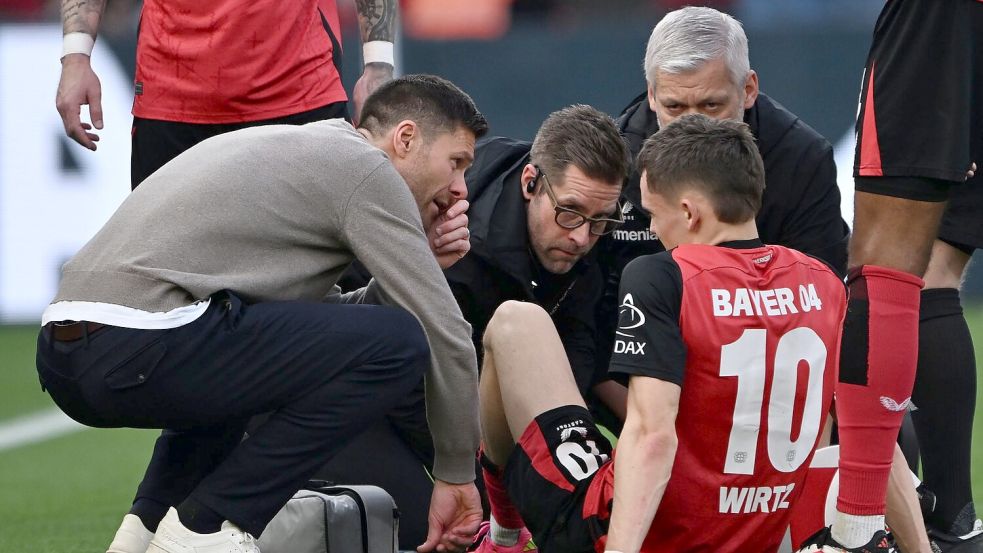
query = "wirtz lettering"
x=754 y=500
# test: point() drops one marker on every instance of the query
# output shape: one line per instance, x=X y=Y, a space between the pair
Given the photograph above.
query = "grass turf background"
x=68 y=494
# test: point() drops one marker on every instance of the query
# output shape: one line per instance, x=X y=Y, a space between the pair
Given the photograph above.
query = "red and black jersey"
x=231 y=62
x=751 y=333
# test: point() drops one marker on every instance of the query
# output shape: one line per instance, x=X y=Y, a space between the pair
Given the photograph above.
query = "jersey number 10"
x=746 y=359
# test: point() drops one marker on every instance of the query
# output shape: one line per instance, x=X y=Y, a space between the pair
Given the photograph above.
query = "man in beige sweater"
x=209 y=297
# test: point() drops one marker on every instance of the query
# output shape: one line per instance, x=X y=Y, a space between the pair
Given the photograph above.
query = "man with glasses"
x=536 y=211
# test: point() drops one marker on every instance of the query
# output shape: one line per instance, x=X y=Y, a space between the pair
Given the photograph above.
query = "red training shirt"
x=229 y=62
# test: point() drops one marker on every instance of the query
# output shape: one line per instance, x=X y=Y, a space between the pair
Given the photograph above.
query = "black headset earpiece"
x=531 y=186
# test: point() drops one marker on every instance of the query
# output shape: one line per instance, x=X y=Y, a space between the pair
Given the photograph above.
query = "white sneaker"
x=173 y=537
x=132 y=536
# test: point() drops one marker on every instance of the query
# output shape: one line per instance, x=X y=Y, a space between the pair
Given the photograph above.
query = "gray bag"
x=334 y=519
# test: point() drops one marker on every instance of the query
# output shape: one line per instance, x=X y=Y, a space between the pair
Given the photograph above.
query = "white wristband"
x=380 y=51
x=77 y=43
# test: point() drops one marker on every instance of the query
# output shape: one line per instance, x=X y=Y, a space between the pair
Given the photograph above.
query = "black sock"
x=150 y=512
x=198 y=518
x=945 y=398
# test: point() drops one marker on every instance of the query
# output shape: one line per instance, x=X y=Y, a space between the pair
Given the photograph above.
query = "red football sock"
x=501 y=505
x=877 y=373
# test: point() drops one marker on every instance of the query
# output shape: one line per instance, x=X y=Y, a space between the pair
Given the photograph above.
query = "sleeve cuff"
x=458 y=469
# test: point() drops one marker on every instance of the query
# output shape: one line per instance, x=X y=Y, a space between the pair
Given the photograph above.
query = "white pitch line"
x=36 y=427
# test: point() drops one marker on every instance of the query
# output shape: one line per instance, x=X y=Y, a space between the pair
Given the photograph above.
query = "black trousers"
x=154 y=142
x=326 y=372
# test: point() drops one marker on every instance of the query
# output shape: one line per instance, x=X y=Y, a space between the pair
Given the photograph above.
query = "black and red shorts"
x=921 y=105
x=548 y=474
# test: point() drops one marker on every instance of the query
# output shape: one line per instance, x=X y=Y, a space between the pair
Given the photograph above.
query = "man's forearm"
x=81 y=16
x=641 y=473
x=377 y=19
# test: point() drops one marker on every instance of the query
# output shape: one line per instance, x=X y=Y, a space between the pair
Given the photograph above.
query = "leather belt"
x=73 y=331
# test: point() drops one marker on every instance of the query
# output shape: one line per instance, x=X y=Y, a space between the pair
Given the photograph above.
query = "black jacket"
x=501 y=265
x=800 y=208
x=801 y=204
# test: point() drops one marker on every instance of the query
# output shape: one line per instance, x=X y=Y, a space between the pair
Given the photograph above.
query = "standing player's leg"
x=909 y=156
x=945 y=388
x=889 y=252
x=525 y=374
x=946 y=382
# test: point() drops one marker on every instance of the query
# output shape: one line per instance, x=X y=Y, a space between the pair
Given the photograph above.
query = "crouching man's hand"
x=449 y=236
x=455 y=513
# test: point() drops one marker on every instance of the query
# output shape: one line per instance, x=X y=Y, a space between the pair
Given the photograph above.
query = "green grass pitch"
x=67 y=495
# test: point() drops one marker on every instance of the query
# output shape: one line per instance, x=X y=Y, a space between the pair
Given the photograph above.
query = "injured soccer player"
x=700 y=426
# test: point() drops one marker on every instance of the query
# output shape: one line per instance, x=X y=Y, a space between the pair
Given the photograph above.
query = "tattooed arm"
x=377 y=19
x=377 y=23
x=81 y=16
x=79 y=84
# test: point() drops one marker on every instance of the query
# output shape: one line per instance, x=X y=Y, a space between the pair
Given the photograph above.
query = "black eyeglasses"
x=571 y=218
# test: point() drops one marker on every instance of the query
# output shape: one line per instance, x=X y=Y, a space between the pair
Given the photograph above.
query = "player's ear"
x=692 y=213
x=406 y=138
